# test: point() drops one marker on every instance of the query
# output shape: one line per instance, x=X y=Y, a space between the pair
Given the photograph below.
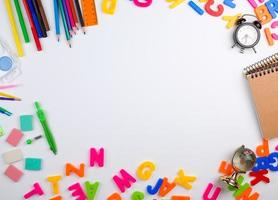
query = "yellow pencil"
x=8 y=96
x=14 y=28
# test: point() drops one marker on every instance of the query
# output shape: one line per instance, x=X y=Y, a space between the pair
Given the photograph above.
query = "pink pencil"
x=3 y=87
x=70 y=15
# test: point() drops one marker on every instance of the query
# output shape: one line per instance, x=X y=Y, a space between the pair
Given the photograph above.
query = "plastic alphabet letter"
x=37 y=190
x=114 y=196
x=72 y=169
x=153 y=191
x=54 y=181
x=231 y=20
x=274 y=25
x=175 y=3
x=180 y=198
x=96 y=157
x=261 y=163
x=273 y=161
x=242 y=187
x=109 y=6
x=210 y=11
x=56 y=198
x=184 y=180
x=145 y=170
x=166 y=187
x=229 y=3
x=91 y=190
x=125 y=181
x=246 y=195
x=195 y=7
x=78 y=192
x=137 y=195
x=145 y=4
x=214 y=196
x=272 y=6
x=263 y=150
x=269 y=37
x=259 y=176
x=262 y=14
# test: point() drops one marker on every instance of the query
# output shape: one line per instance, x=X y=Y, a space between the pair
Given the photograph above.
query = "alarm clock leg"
x=234 y=45
x=254 y=49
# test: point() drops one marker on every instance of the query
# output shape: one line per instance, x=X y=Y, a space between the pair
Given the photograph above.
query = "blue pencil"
x=67 y=16
x=57 y=21
x=35 y=19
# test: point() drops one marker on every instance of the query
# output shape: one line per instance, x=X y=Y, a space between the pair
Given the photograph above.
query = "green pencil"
x=21 y=21
x=64 y=22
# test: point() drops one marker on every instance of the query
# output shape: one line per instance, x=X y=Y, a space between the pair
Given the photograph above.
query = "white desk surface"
x=145 y=84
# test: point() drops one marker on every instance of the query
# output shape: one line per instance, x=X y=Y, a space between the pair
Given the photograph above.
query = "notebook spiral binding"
x=263 y=67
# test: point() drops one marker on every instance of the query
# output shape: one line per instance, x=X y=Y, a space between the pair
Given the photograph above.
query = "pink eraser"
x=14 y=137
x=13 y=173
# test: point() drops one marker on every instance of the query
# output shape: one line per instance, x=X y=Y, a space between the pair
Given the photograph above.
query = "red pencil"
x=33 y=29
x=73 y=12
x=70 y=15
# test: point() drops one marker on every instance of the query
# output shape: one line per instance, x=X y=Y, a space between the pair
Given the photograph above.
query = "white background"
x=146 y=84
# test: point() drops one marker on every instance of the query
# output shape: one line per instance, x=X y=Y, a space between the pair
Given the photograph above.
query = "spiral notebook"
x=263 y=81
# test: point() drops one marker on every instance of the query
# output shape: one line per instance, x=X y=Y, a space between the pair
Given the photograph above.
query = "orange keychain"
x=89 y=12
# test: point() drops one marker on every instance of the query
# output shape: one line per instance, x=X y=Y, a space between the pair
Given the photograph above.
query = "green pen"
x=47 y=132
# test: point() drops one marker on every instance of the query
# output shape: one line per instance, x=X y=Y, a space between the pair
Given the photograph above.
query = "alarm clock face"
x=247 y=35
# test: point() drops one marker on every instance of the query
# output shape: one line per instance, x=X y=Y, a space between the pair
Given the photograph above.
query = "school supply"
x=89 y=12
x=9 y=65
x=9 y=99
x=1 y=131
x=35 y=18
x=43 y=16
x=32 y=25
x=263 y=81
x=26 y=122
x=5 y=112
x=57 y=20
x=72 y=7
x=13 y=156
x=17 y=41
x=9 y=96
x=14 y=137
x=71 y=20
x=30 y=141
x=21 y=21
x=39 y=17
x=60 y=4
x=13 y=173
x=3 y=87
x=47 y=132
x=80 y=16
x=64 y=6
x=33 y=164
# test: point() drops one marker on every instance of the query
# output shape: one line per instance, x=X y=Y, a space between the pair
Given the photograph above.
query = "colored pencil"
x=17 y=41
x=67 y=16
x=38 y=15
x=32 y=25
x=74 y=13
x=70 y=15
x=80 y=16
x=64 y=21
x=57 y=20
x=8 y=96
x=21 y=21
x=9 y=99
x=42 y=13
x=5 y=112
x=35 y=19
x=4 y=87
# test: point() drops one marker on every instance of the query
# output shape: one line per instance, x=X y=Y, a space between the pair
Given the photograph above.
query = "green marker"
x=21 y=21
x=47 y=132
